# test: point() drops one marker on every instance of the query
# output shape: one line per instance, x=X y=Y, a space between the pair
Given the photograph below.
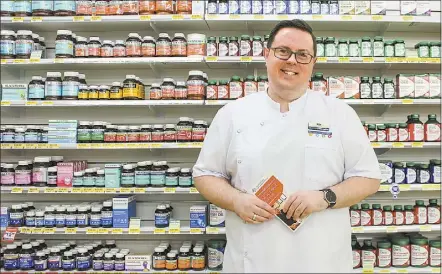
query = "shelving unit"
x=152 y=70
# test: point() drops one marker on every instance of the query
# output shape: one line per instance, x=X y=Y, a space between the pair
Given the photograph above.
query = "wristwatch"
x=329 y=197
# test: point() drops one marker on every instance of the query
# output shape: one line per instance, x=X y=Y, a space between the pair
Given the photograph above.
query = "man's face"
x=289 y=75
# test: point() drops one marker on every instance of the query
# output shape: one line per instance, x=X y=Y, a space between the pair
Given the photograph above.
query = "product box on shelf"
x=112 y=175
x=336 y=86
x=378 y=7
x=138 y=263
x=217 y=216
x=198 y=216
x=198 y=7
x=65 y=172
x=4 y=216
x=421 y=85
x=123 y=208
x=351 y=87
x=362 y=7
x=347 y=7
x=62 y=131
x=408 y=7
x=423 y=8
x=434 y=79
x=405 y=85
x=14 y=92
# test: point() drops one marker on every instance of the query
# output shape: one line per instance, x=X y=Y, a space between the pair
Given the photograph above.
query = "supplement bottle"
x=99 y=178
x=7 y=49
x=82 y=217
x=398 y=215
x=236 y=88
x=81 y=47
x=68 y=261
x=60 y=218
x=399 y=173
x=320 y=52
x=53 y=86
x=64 y=8
x=52 y=177
x=133 y=45
x=16 y=217
x=146 y=133
x=147 y=7
x=148 y=46
x=163 y=46
x=433 y=212
x=212 y=48
x=411 y=173
x=212 y=90
x=71 y=86
x=420 y=212
x=179 y=45
x=89 y=177
x=223 y=46
x=416 y=129
x=368 y=254
x=181 y=90
x=120 y=48
x=343 y=48
x=184 y=259
x=172 y=177
x=199 y=130
x=71 y=216
x=409 y=215
x=378 y=46
x=97 y=263
x=119 y=262
x=377 y=215
x=64 y=44
x=196 y=85
x=97 y=132
x=30 y=219
x=384 y=254
x=168 y=89
x=133 y=134
x=11 y=258
x=432 y=129
x=419 y=252
x=128 y=176
x=19 y=136
x=184 y=130
x=108 y=262
x=356 y=251
x=39 y=219
x=23 y=44
x=158 y=175
x=353 y=48
x=171 y=261
x=198 y=259
x=49 y=217
x=130 y=88
x=159 y=259
x=366 y=215
x=366 y=47
x=355 y=215
x=215 y=254
x=399 y=48
x=377 y=89
x=40 y=261
x=423 y=174
x=83 y=259
x=435 y=254
x=387 y=215
x=389 y=89
x=93 y=93
x=185 y=179
x=116 y=91
x=233 y=47
x=8 y=135
x=107 y=49
x=389 y=48
x=103 y=92
x=31 y=135
x=142 y=174
x=423 y=49
x=84 y=132
x=400 y=252
x=8 y=175
x=36 y=88
x=330 y=47
x=365 y=88
x=94 y=47
x=95 y=216
x=54 y=259
x=106 y=214
x=435 y=49
x=245 y=46
x=170 y=134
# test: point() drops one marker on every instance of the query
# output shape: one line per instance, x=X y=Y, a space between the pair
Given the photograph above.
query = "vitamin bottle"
x=148 y=46
x=377 y=215
x=223 y=46
x=233 y=46
x=11 y=258
x=54 y=259
x=366 y=215
x=8 y=175
x=355 y=215
x=387 y=215
x=433 y=212
x=356 y=251
x=142 y=174
x=7 y=48
x=128 y=176
x=416 y=129
x=432 y=129
x=179 y=45
x=23 y=44
x=398 y=215
x=435 y=253
x=94 y=47
x=195 y=85
x=420 y=212
x=16 y=216
x=64 y=44
x=158 y=175
x=409 y=214
x=368 y=254
x=133 y=45
x=384 y=254
x=163 y=45
x=164 y=7
x=159 y=259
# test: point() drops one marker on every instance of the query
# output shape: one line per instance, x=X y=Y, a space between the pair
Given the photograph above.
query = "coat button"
x=284 y=115
x=238 y=131
x=262 y=123
x=239 y=161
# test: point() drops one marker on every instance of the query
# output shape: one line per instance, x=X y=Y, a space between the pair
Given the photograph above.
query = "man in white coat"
x=314 y=144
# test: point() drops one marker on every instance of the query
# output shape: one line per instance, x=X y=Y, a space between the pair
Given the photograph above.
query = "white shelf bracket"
x=155 y=70
x=384 y=28
x=154 y=27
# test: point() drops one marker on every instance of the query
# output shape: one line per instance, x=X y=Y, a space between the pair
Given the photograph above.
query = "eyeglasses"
x=301 y=57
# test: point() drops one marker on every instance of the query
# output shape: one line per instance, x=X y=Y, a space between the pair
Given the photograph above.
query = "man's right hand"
x=246 y=206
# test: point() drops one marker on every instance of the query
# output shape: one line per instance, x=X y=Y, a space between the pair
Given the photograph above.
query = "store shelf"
x=105 y=23
x=349 y=101
x=405 y=145
x=92 y=190
x=399 y=270
x=328 y=22
x=109 y=272
x=103 y=146
x=148 y=230
x=394 y=229
x=412 y=187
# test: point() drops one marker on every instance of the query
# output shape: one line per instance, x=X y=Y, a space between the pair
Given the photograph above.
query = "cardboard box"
x=65 y=174
x=362 y=7
x=434 y=79
x=423 y=8
x=217 y=216
x=63 y=124
x=4 y=216
x=351 y=87
x=112 y=175
x=14 y=92
x=422 y=85
x=198 y=216
x=138 y=263
x=336 y=86
x=123 y=208
x=198 y=7
x=408 y=7
x=347 y=7
x=378 y=7
x=405 y=86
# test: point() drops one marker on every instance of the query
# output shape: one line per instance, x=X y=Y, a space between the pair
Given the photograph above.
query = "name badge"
x=319 y=130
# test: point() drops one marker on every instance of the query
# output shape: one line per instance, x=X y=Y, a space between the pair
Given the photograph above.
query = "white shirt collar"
x=292 y=105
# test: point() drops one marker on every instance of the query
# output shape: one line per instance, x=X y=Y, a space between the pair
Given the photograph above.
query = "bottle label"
x=97 y=134
x=421 y=215
x=433 y=215
x=119 y=266
x=365 y=218
x=16 y=218
x=384 y=257
x=40 y=265
x=60 y=220
x=433 y=132
x=233 y=7
x=368 y=258
x=236 y=90
x=24 y=47
x=355 y=218
x=142 y=177
x=7 y=46
x=377 y=91
x=133 y=48
x=184 y=133
x=54 y=262
x=356 y=259
x=44 y=5
x=316 y=7
x=89 y=181
x=11 y=262
x=83 y=262
x=96 y=220
x=198 y=134
x=64 y=47
x=8 y=137
x=424 y=177
x=53 y=88
x=7 y=178
x=84 y=134
x=245 y=7
x=212 y=8
x=416 y=132
x=161 y=219
x=377 y=217
x=52 y=180
x=68 y=264
x=70 y=88
x=77 y=181
x=354 y=50
x=343 y=50
x=82 y=219
x=179 y=47
x=98 y=265
x=128 y=179
x=215 y=257
x=388 y=218
x=158 y=178
x=378 y=49
x=31 y=137
x=268 y=7
x=108 y=265
x=22 y=6
x=435 y=256
x=392 y=135
x=168 y=91
x=171 y=180
x=320 y=50
x=403 y=135
x=71 y=220
x=100 y=181
x=30 y=221
x=39 y=222
x=64 y=5
x=8 y=6
x=366 y=49
x=233 y=49
x=93 y=50
x=400 y=218
x=399 y=176
x=419 y=255
x=211 y=49
x=164 y=48
x=36 y=91
x=106 y=218
x=19 y=137
x=195 y=88
x=245 y=48
x=223 y=8
x=409 y=218
x=330 y=50
x=185 y=181
x=49 y=220
x=44 y=137
x=81 y=50
x=389 y=92
x=411 y=176
x=399 y=50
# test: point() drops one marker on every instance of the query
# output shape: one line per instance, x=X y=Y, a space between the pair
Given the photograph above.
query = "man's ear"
x=266 y=53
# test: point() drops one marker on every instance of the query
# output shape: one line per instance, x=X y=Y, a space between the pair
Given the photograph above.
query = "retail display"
x=410 y=172
x=20 y=44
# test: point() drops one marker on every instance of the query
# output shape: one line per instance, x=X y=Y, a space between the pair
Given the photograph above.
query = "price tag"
x=377 y=17
x=367 y=270
x=117 y=231
x=63 y=190
x=92 y=231
x=375 y=144
x=170 y=190
x=110 y=190
x=434 y=60
x=6 y=103
x=407 y=101
x=174 y=231
x=83 y=146
x=50 y=190
x=37 y=230
x=31 y=146
x=346 y=17
x=77 y=190
x=33 y=190
x=196 y=231
x=177 y=17
x=234 y=16
x=212 y=230
x=98 y=190
x=9 y=234
x=134 y=231
x=282 y=17
x=402 y=270
x=407 y=18
x=391 y=229
x=95 y=18
x=404 y=187
x=384 y=188
x=435 y=270
x=359 y=229
x=6 y=146
x=37 y=19
x=48 y=230
x=4 y=61
x=384 y=271
x=430 y=187
x=159 y=231
x=344 y=59
x=145 y=18
x=196 y=17
x=212 y=58
x=125 y=190
x=78 y=18
x=133 y=146
x=156 y=145
x=70 y=230
x=31 y=103
x=245 y=59
x=42 y=146
x=322 y=59
x=18 y=19
x=258 y=17
x=19 y=61
x=17 y=190
x=96 y=146
x=317 y=17
x=140 y=190
x=417 y=144
x=88 y=190
x=59 y=61
x=400 y=60
x=193 y=190
x=413 y=60
x=398 y=145
x=368 y=60
x=19 y=146
x=425 y=228
x=103 y=231
x=47 y=103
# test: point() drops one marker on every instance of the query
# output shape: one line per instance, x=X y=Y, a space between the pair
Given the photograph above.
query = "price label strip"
x=159 y=231
x=70 y=230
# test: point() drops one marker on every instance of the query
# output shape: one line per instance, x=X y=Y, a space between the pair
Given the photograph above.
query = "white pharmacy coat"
x=250 y=139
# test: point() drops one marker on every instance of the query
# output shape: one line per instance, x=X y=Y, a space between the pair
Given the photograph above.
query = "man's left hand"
x=303 y=203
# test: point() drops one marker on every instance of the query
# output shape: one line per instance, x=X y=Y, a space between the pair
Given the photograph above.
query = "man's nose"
x=292 y=59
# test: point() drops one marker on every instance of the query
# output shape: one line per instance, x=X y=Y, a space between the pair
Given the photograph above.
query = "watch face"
x=330 y=196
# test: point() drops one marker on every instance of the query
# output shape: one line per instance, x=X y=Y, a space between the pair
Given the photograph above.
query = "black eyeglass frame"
x=292 y=53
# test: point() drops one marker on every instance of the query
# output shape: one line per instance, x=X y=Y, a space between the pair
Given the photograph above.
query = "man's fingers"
x=265 y=206
x=251 y=221
x=298 y=212
x=262 y=213
x=289 y=202
x=292 y=208
x=305 y=214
